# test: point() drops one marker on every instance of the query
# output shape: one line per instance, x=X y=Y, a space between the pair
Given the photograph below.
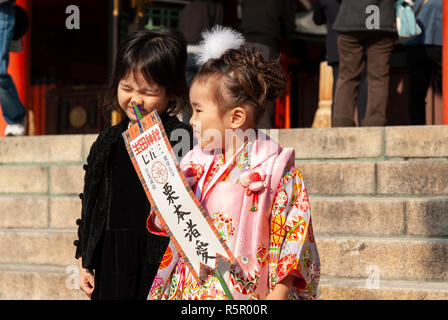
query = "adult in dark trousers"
x=325 y=12
x=424 y=56
x=13 y=110
x=267 y=26
x=197 y=16
x=367 y=34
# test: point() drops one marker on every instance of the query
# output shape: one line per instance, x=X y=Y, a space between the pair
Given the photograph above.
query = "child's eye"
x=127 y=89
x=151 y=93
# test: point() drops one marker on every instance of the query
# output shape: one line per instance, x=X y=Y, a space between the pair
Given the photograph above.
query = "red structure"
x=445 y=62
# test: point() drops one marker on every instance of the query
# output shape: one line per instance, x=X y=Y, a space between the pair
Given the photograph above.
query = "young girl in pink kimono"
x=248 y=185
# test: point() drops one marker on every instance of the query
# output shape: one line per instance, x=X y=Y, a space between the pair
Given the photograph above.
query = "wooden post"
x=322 y=118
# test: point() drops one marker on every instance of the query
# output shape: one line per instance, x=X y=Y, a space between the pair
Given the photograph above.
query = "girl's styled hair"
x=157 y=55
x=243 y=76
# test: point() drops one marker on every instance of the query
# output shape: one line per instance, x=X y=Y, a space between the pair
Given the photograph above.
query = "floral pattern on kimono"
x=292 y=249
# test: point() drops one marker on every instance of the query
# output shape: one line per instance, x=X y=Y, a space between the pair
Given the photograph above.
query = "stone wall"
x=379 y=202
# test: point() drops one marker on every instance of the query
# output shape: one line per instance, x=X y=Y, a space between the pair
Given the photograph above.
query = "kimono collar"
x=262 y=149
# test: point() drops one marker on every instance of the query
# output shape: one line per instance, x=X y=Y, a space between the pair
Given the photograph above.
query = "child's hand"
x=190 y=176
x=86 y=279
x=193 y=173
x=281 y=289
x=157 y=223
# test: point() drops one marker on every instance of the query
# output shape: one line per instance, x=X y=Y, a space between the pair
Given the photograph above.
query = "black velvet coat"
x=97 y=187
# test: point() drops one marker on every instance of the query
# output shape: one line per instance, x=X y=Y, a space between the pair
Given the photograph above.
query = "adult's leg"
x=191 y=68
x=434 y=54
x=419 y=80
x=379 y=51
x=13 y=110
x=335 y=68
x=351 y=63
x=361 y=102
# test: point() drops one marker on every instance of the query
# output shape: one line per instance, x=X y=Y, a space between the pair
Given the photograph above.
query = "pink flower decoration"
x=253 y=180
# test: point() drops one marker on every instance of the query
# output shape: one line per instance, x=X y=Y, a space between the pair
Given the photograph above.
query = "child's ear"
x=238 y=117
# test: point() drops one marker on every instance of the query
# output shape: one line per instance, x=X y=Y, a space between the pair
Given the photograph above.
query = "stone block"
x=333 y=142
x=43 y=246
x=23 y=179
x=19 y=282
x=338 y=178
x=394 y=258
x=38 y=149
x=358 y=289
x=357 y=216
x=67 y=179
x=417 y=141
x=419 y=177
x=24 y=212
x=64 y=211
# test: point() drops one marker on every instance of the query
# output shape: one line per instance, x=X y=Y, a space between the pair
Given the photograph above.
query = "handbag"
x=406 y=20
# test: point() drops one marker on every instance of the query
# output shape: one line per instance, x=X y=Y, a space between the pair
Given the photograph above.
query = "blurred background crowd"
x=339 y=72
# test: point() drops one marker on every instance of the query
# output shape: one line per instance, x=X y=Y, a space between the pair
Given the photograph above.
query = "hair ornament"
x=216 y=41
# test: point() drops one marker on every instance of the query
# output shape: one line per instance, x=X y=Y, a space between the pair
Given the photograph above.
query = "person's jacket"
x=97 y=186
x=430 y=19
x=353 y=15
x=325 y=12
x=198 y=16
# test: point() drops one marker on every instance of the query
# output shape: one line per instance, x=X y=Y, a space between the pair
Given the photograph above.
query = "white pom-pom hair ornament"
x=216 y=41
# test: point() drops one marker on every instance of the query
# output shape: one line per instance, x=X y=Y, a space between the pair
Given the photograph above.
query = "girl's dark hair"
x=243 y=76
x=157 y=55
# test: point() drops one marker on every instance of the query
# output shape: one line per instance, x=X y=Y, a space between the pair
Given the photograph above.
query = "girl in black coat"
x=117 y=256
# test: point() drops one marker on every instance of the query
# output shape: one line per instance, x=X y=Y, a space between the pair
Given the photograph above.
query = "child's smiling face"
x=135 y=89
x=208 y=124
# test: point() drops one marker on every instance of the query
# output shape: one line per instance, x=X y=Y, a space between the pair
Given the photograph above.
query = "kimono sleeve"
x=293 y=250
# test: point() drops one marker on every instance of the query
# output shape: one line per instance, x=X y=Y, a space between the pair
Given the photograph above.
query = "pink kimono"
x=259 y=204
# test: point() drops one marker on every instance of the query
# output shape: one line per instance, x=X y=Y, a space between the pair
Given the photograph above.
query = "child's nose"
x=137 y=100
x=192 y=119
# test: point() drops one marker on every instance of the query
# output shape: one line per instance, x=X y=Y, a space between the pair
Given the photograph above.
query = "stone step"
x=39 y=282
x=310 y=143
x=41 y=179
x=404 y=258
x=45 y=149
x=414 y=177
x=365 y=289
x=37 y=246
x=368 y=142
x=380 y=216
x=341 y=256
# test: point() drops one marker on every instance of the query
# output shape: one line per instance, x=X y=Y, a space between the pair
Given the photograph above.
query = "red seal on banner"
x=159 y=172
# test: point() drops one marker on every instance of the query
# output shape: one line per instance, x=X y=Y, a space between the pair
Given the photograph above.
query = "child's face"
x=135 y=89
x=208 y=125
